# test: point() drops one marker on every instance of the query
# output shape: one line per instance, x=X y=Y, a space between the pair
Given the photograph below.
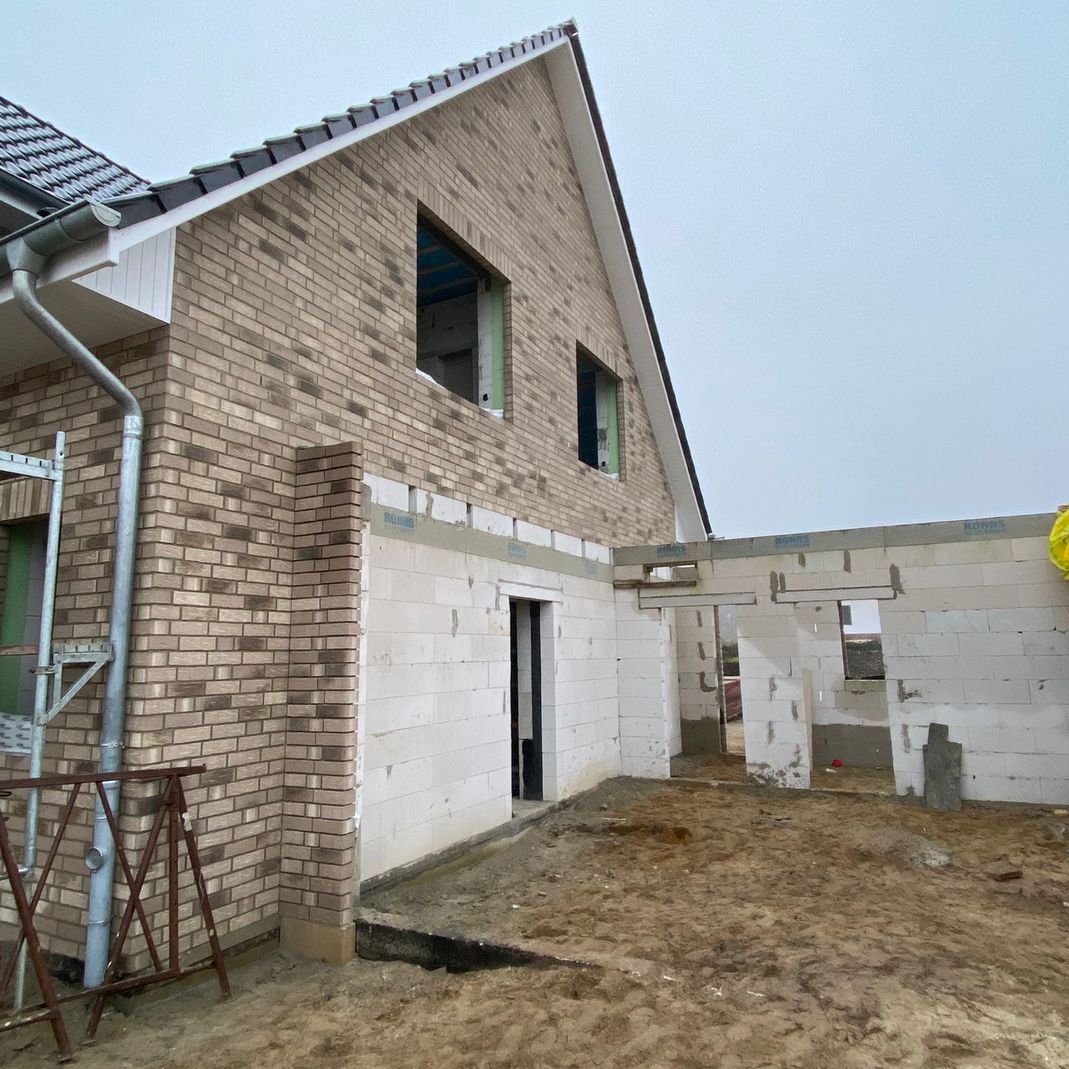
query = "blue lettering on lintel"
x=518 y=550
x=799 y=541
x=673 y=549
x=984 y=526
x=395 y=519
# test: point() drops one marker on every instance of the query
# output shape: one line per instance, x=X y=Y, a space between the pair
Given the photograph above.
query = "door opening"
x=526 y=704
x=731 y=711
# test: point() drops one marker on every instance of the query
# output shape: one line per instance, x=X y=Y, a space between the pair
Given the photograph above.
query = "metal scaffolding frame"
x=50 y=696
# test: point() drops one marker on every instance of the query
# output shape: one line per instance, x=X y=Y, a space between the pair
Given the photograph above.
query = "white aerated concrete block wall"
x=773 y=649
x=696 y=644
x=649 y=687
x=586 y=728
x=980 y=642
x=436 y=717
x=975 y=636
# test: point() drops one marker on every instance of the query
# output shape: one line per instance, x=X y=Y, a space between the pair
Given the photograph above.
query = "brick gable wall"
x=294 y=314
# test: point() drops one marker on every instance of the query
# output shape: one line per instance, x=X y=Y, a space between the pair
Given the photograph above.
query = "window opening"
x=859 y=625
x=460 y=322
x=597 y=408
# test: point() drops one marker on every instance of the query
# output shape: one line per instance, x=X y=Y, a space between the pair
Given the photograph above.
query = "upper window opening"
x=859 y=624
x=460 y=322
x=597 y=408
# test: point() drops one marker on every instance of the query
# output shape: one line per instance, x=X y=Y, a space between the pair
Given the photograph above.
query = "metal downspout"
x=27 y=257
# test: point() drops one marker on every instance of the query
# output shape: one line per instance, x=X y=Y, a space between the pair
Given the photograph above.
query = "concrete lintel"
x=843 y=593
x=695 y=601
x=913 y=534
x=400 y=524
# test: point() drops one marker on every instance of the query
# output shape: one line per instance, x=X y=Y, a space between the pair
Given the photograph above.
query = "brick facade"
x=293 y=330
x=319 y=793
x=294 y=312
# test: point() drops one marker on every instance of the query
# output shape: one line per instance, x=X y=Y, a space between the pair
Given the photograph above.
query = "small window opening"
x=460 y=322
x=859 y=625
x=597 y=401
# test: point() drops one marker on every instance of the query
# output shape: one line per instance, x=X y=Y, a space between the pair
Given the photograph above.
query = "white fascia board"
x=586 y=151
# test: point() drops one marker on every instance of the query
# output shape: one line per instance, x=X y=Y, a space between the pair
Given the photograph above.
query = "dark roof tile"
x=282 y=148
x=363 y=114
x=251 y=160
x=55 y=163
x=216 y=175
x=178 y=191
x=314 y=134
x=338 y=124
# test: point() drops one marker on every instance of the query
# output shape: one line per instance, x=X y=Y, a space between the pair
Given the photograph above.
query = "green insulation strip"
x=497 y=328
x=612 y=425
x=13 y=621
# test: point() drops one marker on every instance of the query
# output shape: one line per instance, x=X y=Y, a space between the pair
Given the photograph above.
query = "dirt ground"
x=731 y=768
x=732 y=927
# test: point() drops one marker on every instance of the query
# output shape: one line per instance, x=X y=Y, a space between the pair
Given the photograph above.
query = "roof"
x=56 y=164
x=160 y=197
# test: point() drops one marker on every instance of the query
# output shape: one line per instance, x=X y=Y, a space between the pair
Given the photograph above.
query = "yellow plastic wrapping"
x=1059 y=544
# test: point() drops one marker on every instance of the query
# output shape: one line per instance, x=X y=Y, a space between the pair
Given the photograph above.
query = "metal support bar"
x=29 y=467
x=40 y=694
x=60 y=703
x=50 y=1011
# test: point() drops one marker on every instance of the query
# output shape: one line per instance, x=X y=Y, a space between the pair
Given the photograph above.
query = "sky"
x=853 y=218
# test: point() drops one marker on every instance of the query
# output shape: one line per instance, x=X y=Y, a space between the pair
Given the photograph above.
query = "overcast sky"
x=853 y=217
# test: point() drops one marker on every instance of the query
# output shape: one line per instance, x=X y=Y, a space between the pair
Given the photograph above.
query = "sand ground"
x=733 y=927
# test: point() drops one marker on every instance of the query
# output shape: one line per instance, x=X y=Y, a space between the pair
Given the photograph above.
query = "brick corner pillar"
x=318 y=877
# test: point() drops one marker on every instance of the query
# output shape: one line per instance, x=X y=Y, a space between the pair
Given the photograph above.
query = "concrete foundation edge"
x=321 y=942
x=700 y=736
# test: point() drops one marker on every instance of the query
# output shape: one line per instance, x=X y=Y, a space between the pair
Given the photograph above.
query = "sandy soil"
x=731 y=768
x=747 y=928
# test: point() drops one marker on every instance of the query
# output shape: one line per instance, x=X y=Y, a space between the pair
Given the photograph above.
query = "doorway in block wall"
x=526 y=698
x=731 y=704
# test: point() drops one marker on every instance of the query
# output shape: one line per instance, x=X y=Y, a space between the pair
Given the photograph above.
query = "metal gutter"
x=25 y=254
x=25 y=197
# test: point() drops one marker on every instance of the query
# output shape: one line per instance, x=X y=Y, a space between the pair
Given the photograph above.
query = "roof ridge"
x=160 y=197
x=76 y=141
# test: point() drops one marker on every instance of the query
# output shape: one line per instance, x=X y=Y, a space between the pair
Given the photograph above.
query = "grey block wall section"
x=975 y=625
x=857 y=746
x=699 y=692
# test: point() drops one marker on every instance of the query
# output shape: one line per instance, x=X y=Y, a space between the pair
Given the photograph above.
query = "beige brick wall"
x=319 y=794
x=33 y=406
x=293 y=328
x=294 y=314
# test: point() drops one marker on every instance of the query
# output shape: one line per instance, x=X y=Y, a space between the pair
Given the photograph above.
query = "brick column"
x=318 y=879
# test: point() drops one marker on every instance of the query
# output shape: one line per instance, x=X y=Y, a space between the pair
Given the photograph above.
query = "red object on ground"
x=837 y=763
